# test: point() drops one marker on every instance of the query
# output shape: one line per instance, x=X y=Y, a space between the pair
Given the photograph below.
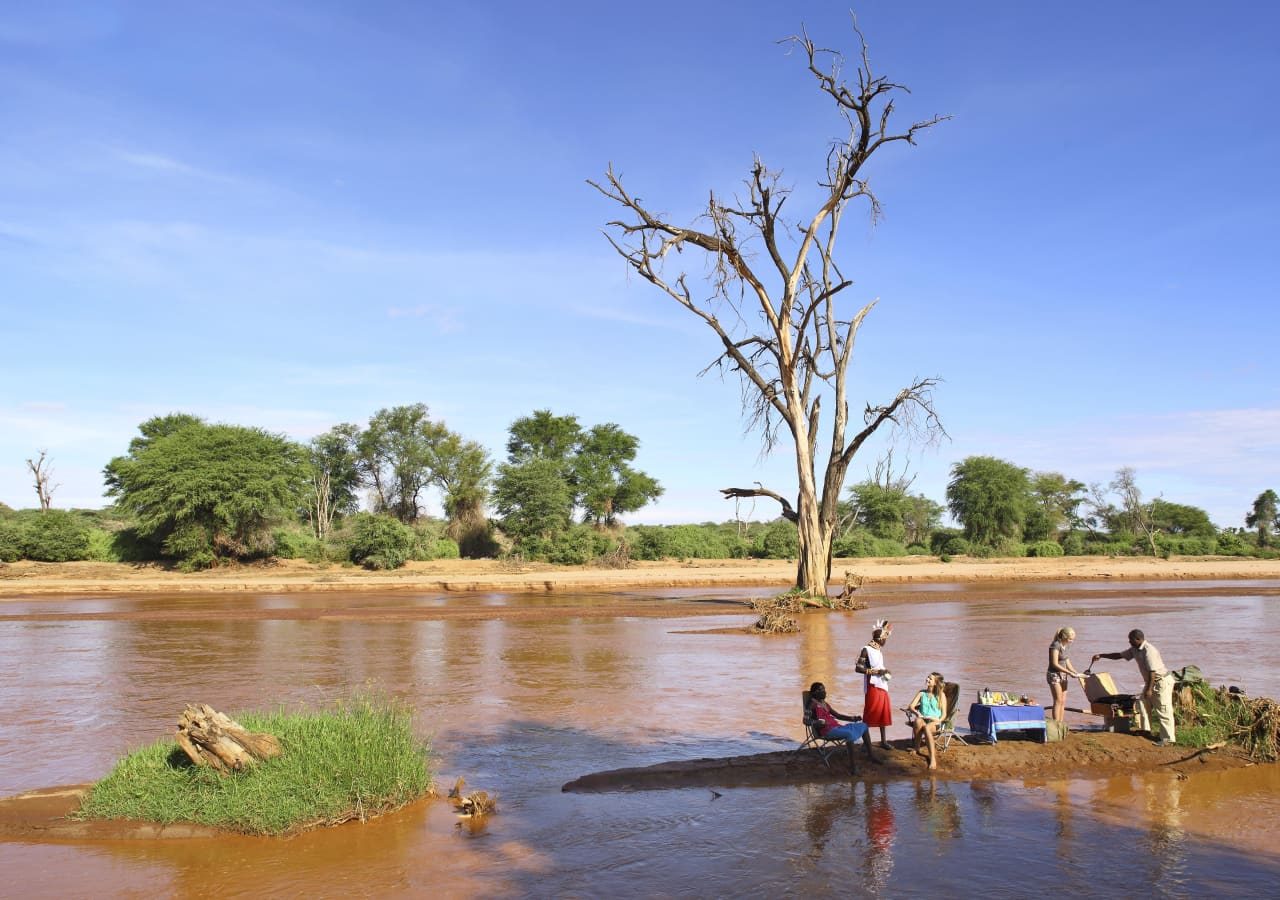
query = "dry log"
x=210 y=738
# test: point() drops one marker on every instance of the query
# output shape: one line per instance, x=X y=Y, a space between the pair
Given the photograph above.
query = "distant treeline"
x=197 y=494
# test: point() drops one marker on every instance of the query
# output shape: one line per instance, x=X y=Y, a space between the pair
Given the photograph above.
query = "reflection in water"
x=878 y=865
x=520 y=706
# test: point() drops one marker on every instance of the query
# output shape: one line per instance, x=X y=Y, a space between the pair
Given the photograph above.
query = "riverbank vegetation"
x=357 y=760
x=195 y=495
x=1207 y=717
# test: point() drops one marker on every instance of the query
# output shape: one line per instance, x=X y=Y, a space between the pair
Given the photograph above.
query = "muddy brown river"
x=521 y=694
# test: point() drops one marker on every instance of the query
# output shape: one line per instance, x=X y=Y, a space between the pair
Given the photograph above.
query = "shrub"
x=577 y=546
x=779 y=540
x=379 y=542
x=940 y=537
x=887 y=547
x=857 y=543
x=1073 y=544
x=10 y=541
x=430 y=541
x=54 y=536
x=102 y=546
x=191 y=545
x=1044 y=549
x=707 y=541
x=1232 y=544
x=956 y=546
x=297 y=543
x=917 y=550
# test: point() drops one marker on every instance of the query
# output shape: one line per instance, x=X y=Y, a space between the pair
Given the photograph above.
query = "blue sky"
x=291 y=215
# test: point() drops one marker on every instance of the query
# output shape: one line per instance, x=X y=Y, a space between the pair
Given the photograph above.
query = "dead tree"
x=42 y=472
x=210 y=738
x=775 y=313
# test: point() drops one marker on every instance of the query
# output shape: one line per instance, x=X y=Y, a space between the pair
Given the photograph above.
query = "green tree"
x=605 y=484
x=921 y=517
x=1055 y=505
x=533 y=499
x=990 y=497
x=463 y=471
x=335 y=477
x=1265 y=517
x=544 y=435
x=201 y=491
x=1182 y=520
x=397 y=458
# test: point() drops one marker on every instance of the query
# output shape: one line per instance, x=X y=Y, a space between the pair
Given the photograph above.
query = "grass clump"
x=1205 y=716
x=356 y=760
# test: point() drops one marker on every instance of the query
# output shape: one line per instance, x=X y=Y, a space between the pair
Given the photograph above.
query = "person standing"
x=1061 y=671
x=877 y=711
x=1158 y=690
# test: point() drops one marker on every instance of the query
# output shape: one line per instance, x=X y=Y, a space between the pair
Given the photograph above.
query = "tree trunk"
x=815 y=552
x=210 y=738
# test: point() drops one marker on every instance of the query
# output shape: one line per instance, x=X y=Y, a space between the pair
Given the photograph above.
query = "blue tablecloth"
x=986 y=721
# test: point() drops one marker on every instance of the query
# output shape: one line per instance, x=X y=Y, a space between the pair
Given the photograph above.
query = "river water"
x=521 y=704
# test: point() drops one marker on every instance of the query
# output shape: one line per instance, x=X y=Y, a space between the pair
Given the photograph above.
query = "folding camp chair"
x=946 y=732
x=814 y=740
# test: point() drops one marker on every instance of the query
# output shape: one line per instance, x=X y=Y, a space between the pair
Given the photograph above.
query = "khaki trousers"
x=1162 y=705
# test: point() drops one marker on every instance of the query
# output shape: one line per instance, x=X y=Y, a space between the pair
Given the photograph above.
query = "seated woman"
x=829 y=726
x=927 y=710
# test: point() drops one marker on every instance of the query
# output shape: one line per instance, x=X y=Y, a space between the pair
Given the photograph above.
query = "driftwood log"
x=211 y=738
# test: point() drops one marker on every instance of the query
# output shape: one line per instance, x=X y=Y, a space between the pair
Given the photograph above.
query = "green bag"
x=1189 y=675
x=1055 y=730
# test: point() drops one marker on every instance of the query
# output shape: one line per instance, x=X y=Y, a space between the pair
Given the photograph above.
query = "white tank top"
x=875 y=660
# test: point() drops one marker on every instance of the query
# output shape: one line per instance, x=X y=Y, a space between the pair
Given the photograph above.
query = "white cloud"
x=157 y=162
x=445 y=321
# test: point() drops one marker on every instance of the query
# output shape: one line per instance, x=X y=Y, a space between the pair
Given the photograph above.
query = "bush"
x=779 y=540
x=430 y=542
x=54 y=536
x=10 y=541
x=956 y=546
x=940 y=537
x=129 y=546
x=379 y=542
x=1232 y=544
x=855 y=544
x=1073 y=544
x=297 y=543
x=102 y=546
x=1044 y=549
x=706 y=541
x=887 y=547
x=575 y=547
x=191 y=545
x=917 y=550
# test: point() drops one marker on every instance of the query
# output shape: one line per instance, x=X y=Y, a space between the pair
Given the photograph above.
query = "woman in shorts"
x=1061 y=671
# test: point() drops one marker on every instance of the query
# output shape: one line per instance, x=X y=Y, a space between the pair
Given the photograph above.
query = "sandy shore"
x=25 y=579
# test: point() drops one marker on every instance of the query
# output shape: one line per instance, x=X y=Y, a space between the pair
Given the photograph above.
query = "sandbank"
x=26 y=579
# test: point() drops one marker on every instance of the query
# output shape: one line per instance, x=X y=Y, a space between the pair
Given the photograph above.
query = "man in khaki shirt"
x=1157 y=692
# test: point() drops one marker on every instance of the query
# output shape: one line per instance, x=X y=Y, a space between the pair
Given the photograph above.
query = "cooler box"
x=1098 y=686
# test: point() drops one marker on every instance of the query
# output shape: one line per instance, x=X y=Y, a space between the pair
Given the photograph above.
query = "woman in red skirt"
x=877 y=711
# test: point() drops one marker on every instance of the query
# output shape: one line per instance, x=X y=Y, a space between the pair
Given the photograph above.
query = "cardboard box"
x=1099 y=685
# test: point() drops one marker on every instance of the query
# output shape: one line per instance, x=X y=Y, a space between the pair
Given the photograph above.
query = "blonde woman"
x=1061 y=671
x=928 y=709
